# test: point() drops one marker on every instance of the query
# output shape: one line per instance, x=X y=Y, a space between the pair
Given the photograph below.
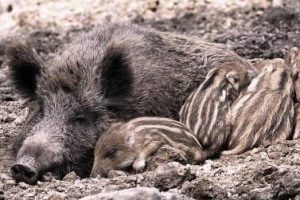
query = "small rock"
x=57 y=196
x=5 y=177
x=139 y=179
x=218 y=171
x=172 y=175
x=136 y=194
x=153 y=5
x=9 y=118
x=115 y=173
x=249 y=158
x=265 y=171
x=20 y=119
x=203 y=189
x=256 y=151
x=23 y=185
x=164 y=155
x=39 y=183
x=295 y=159
x=71 y=176
x=263 y=155
x=10 y=182
x=61 y=189
x=207 y=166
x=275 y=155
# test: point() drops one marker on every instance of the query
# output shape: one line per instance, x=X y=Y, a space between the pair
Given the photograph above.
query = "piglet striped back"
x=171 y=130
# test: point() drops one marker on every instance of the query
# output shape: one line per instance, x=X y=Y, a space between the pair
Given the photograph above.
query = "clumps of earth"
x=254 y=29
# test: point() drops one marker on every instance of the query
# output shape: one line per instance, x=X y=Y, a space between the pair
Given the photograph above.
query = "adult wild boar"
x=114 y=73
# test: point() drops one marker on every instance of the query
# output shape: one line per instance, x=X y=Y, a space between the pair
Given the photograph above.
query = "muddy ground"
x=253 y=29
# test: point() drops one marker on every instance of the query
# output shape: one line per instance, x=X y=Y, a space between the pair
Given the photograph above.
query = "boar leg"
x=150 y=148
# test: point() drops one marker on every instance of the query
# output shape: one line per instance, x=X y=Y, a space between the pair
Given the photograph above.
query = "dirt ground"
x=252 y=28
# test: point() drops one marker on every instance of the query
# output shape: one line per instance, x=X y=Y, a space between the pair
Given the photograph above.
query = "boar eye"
x=110 y=153
x=80 y=119
x=84 y=117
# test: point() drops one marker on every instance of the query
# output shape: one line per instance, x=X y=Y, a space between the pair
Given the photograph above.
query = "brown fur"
x=129 y=144
x=296 y=134
x=293 y=60
x=205 y=110
x=264 y=113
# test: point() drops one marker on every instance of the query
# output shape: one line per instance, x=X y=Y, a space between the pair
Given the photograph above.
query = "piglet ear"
x=24 y=65
x=234 y=79
x=291 y=56
x=116 y=75
x=130 y=140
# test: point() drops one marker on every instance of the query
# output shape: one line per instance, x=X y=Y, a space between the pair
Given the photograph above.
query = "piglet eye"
x=110 y=153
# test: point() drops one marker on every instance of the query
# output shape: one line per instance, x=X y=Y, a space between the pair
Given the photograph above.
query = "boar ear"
x=24 y=67
x=116 y=76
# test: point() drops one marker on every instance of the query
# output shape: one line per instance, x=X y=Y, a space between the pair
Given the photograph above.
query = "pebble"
x=115 y=173
x=60 y=189
x=10 y=182
x=71 y=176
x=249 y=158
x=139 y=179
x=56 y=196
x=23 y=185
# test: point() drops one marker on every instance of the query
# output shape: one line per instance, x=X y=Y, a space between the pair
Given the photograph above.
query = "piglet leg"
x=150 y=148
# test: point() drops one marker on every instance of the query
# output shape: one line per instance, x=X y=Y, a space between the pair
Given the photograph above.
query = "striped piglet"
x=129 y=144
x=205 y=110
x=264 y=113
x=293 y=60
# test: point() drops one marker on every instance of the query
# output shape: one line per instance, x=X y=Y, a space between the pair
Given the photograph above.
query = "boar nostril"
x=22 y=173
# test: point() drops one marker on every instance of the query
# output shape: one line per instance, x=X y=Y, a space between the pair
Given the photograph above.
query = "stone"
x=116 y=173
x=172 y=175
x=71 y=176
x=137 y=194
